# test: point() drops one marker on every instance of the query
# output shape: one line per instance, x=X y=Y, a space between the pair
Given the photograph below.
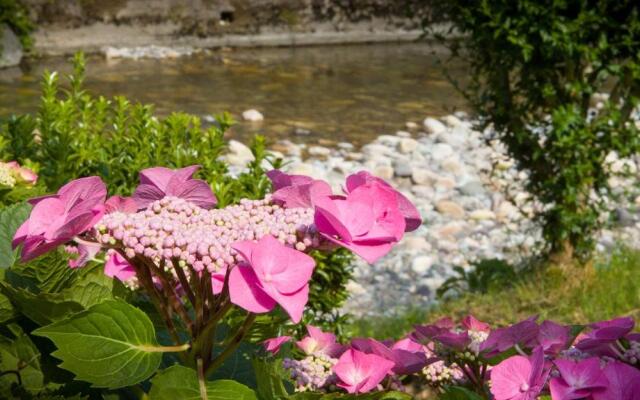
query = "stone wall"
x=210 y=17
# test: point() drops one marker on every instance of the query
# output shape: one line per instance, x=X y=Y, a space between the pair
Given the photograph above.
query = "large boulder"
x=10 y=47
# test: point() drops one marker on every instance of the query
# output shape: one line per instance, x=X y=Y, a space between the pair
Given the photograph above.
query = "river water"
x=337 y=93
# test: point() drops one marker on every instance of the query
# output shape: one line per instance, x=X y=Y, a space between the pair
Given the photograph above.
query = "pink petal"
x=294 y=303
x=91 y=188
x=327 y=220
x=217 y=280
x=86 y=252
x=245 y=248
x=156 y=176
x=245 y=292
x=360 y=372
x=273 y=345
x=145 y=194
x=122 y=204
x=280 y=179
x=508 y=377
x=624 y=383
x=21 y=234
x=118 y=267
x=44 y=214
x=195 y=191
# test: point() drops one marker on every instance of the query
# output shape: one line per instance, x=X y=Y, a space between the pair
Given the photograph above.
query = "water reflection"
x=336 y=93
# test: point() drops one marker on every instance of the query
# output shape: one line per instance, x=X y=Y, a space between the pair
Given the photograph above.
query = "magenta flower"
x=407 y=209
x=120 y=204
x=603 y=334
x=56 y=219
x=118 y=267
x=522 y=334
x=519 y=377
x=553 y=337
x=577 y=380
x=319 y=342
x=624 y=383
x=273 y=345
x=217 y=280
x=159 y=182
x=360 y=372
x=472 y=324
x=272 y=273
x=367 y=222
x=297 y=190
x=407 y=356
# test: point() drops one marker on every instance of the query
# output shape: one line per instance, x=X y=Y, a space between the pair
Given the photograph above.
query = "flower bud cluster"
x=6 y=177
x=175 y=229
x=440 y=374
x=313 y=373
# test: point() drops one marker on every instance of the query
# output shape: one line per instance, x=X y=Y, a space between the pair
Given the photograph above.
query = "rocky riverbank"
x=469 y=194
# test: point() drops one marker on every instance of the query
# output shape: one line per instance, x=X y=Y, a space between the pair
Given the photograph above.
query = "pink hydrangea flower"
x=407 y=209
x=519 y=377
x=56 y=219
x=158 y=182
x=522 y=334
x=406 y=355
x=624 y=383
x=604 y=333
x=120 y=204
x=272 y=274
x=297 y=190
x=319 y=342
x=360 y=372
x=118 y=267
x=217 y=280
x=577 y=380
x=367 y=221
x=273 y=345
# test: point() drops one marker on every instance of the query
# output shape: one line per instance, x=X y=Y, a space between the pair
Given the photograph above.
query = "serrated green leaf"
x=112 y=344
x=43 y=308
x=49 y=273
x=11 y=218
x=178 y=382
x=19 y=354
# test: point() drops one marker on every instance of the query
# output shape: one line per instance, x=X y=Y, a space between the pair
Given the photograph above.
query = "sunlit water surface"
x=322 y=94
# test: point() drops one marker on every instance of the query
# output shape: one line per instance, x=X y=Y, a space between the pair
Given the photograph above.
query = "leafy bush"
x=536 y=67
x=15 y=15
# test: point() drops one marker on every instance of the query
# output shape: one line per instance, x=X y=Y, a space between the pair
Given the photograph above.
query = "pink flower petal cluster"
x=603 y=334
x=297 y=190
x=520 y=377
x=360 y=372
x=319 y=342
x=577 y=380
x=407 y=209
x=120 y=204
x=407 y=356
x=159 y=182
x=366 y=221
x=271 y=274
x=56 y=219
x=118 y=267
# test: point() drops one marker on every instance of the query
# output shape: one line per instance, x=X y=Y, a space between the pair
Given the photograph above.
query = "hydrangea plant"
x=211 y=274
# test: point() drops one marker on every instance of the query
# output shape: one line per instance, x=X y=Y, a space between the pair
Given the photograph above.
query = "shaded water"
x=339 y=93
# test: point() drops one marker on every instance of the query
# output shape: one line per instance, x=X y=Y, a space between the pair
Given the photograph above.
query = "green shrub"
x=535 y=68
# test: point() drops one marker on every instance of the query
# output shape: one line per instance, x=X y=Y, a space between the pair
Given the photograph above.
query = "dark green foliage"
x=15 y=15
x=535 y=66
x=481 y=276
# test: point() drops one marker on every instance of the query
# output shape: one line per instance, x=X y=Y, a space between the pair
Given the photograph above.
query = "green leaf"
x=43 y=308
x=19 y=354
x=112 y=344
x=7 y=311
x=178 y=382
x=269 y=381
x=459 y=393
x=10 y=220
x=344 y=396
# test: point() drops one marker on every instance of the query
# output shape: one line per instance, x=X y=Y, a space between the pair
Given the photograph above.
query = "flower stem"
x=202 y=381
x=232 y=345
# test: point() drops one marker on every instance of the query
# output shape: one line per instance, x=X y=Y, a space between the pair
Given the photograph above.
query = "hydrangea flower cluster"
x=196 y=262
x=550 y=358
x=313 y=373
